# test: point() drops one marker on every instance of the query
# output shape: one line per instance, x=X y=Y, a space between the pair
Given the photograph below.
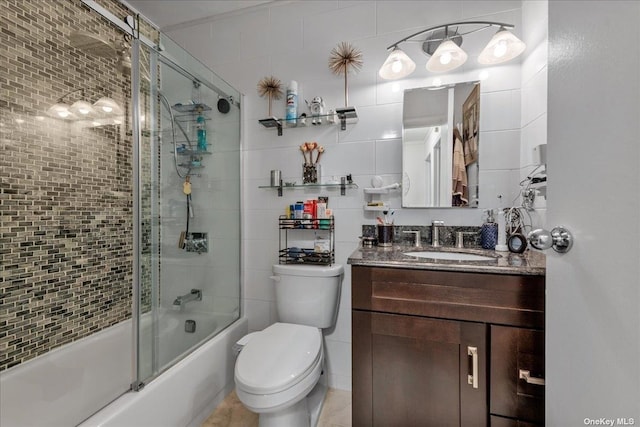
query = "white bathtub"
x=65 y=386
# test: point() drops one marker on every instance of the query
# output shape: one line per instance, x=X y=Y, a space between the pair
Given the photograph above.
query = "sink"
x=452 y=256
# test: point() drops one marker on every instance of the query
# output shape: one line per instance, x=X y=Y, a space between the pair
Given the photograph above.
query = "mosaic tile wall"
x=65 y=189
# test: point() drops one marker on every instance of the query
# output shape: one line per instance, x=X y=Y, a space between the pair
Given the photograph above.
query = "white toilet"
x=278 y=370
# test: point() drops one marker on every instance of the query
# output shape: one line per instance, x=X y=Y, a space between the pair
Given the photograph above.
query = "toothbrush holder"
x=385 y=235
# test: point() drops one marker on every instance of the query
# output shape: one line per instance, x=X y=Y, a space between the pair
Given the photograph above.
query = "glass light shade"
x=502 y=47
x=107 y=105
x=448 y=56
x=81 y=108
x=60 y=111
x=397 y=65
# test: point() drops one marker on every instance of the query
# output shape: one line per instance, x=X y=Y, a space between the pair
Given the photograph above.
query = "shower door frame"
x=138 y=40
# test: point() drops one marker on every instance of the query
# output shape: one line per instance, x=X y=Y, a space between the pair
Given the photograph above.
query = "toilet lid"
x=278 y=357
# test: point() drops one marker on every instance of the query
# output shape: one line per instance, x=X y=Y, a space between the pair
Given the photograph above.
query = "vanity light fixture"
x=443 y=43
x=60 y=110
x=107 y=105
x=81 y=109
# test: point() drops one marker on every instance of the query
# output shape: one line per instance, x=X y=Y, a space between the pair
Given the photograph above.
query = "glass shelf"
x=342 y=187
x=384 y=207
x=342 y=115
x=188 y=152
x=191 y=108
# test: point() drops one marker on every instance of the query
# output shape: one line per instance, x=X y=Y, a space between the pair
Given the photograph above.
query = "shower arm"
x=165 y=101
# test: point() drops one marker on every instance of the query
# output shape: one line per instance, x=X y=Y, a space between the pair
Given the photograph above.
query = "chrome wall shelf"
x=342 y=187
x=342 y=115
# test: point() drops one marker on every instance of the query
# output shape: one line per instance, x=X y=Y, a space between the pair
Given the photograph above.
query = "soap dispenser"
x=489 y=231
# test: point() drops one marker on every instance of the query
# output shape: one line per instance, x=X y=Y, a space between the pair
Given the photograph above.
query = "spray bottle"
x=292 y=104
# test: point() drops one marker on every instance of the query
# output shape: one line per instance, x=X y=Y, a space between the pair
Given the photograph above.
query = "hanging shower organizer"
x=190 y=156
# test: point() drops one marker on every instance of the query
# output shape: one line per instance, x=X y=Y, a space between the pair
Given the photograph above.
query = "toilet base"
x=315 y=401
x=296 y=415
x=305 y=413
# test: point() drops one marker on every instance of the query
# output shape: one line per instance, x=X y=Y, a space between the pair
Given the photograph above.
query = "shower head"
x=92 y=44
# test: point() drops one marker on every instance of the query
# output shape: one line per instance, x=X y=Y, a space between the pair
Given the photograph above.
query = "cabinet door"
x=417 y=370
x=495 y=421
x=515 y=354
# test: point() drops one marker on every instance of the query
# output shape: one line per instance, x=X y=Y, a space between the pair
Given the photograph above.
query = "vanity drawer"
x=515 y=354
x=478 y=297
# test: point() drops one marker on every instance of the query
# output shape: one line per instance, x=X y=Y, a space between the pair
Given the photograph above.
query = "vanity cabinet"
x=444 y=348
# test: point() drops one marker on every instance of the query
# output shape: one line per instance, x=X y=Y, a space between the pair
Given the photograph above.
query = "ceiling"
x=167 y=13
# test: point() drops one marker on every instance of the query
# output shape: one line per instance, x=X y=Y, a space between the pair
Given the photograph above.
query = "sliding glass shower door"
x=189 y=205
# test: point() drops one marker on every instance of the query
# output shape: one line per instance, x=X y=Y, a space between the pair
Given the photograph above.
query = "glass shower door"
x=190 y=207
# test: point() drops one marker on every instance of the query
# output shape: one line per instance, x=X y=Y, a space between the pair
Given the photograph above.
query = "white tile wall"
x=293 y=42
x=534 y=95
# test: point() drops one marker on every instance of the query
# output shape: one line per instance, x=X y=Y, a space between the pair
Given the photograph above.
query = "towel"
x=460 y=192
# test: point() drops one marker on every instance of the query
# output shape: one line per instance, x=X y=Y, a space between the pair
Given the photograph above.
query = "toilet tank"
x=308 y=294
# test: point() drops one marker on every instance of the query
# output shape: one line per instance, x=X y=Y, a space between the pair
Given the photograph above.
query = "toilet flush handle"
x=275 y=278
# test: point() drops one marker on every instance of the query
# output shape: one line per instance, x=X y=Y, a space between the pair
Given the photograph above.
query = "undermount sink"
x=452 y=256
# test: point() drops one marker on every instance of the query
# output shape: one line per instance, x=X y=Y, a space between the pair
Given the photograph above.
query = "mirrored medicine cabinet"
x=440 y=146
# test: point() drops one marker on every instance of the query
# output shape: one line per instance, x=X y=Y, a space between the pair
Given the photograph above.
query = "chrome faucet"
x=435 y=234
x=416 y=242
x=194 y=295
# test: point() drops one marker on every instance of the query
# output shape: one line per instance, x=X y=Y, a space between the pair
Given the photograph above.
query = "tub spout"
x=194 y=295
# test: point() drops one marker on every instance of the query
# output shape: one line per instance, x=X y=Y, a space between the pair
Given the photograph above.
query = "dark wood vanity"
x=447 y=348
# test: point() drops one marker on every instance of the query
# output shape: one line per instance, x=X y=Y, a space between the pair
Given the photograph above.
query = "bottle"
x=202 y=133
x=489 y=232
x=501 y=242
x=292 y=103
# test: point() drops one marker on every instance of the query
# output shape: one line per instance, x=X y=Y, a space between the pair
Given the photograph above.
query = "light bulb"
x=397 y=65
x=107 y=105
x=500 y=49
x=81 y=108
x=448 y=56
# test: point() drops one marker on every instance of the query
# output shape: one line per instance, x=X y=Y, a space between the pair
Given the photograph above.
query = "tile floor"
x=336 y=412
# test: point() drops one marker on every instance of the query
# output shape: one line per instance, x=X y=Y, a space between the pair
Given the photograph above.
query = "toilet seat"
x=278 y=358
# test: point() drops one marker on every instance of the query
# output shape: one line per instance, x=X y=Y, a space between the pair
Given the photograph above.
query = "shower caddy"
x=190 y=156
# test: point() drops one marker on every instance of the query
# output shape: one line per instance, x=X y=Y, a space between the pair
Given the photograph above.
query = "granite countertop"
x=530 y=262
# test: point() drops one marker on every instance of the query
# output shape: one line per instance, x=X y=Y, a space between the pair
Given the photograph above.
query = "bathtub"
x=67 y=385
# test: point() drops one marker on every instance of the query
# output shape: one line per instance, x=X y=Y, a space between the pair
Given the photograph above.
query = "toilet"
x=277 y=373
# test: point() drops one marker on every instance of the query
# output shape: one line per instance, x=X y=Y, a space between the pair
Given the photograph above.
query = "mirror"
x=440 y=146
